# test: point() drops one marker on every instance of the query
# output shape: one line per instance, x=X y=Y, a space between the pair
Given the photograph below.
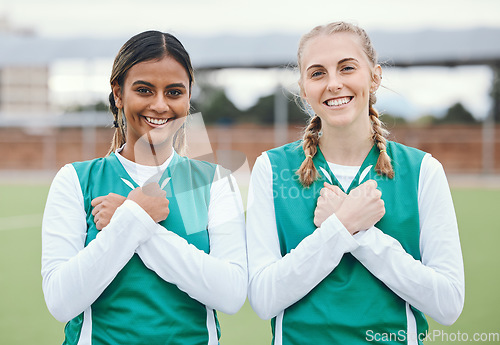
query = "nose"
x=334 y=83
x=159 y=104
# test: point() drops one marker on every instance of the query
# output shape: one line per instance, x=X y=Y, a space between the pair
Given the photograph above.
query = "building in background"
x=24 y=84
x=24 y=90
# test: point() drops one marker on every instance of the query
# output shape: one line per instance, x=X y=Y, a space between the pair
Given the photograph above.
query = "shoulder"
x=195 y=168
x=65 y=186
x=286 y=153
x=195 y=163
x=65 y=176
x=262 y=166
x=295 y=146
x=83 y=166
x=92 y=171
x=432 y=170
x=396 y=147
x=402 y=154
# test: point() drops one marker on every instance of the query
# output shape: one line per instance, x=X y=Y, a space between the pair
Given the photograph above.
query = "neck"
x=147 y=154
x=344 y=146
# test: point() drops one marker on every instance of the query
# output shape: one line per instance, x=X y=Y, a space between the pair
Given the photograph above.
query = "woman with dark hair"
x=143 y=245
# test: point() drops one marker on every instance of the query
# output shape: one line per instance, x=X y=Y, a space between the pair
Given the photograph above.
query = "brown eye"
x=174 y=92
x=143 y=90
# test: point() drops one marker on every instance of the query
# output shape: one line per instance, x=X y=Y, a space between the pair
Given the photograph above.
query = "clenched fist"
x=362 y=208
x=330 y=200
x=104 y=208
x=153 y=200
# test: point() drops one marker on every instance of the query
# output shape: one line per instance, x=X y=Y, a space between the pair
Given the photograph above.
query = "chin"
x=337 y=121
x=156 y=138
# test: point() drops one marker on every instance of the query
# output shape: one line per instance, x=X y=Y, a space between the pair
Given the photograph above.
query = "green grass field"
x=24 y=319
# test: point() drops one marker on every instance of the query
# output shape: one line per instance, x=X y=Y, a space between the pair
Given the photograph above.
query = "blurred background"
x=441 y=94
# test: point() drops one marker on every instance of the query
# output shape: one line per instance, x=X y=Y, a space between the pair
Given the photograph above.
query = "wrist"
x=348 y=224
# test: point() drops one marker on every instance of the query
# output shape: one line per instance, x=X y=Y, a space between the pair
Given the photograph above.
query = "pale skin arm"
x=358 y=211
x=433 y=285
x=270 y=273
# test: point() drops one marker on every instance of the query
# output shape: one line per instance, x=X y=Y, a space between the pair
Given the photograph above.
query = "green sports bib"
x=350 y=301
x=139 y=307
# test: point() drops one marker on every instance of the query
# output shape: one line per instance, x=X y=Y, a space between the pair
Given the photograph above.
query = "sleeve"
x=277 y=281
x=434 y=285
x=219 y=279
x=74 y=276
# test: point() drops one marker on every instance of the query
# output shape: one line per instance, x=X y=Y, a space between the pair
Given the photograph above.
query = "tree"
x=426 y=120
x=392 y=120
x=458 y=114
x=215 y=106
x=263 y=111
x=98 y=106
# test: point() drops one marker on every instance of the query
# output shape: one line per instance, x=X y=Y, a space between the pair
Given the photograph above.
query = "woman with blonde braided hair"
x=351 y=237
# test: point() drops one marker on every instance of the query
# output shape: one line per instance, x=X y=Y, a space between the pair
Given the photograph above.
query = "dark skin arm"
x=150 y=197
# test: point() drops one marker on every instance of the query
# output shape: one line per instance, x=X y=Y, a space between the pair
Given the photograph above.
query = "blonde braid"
x=307 y=172
x=384 y=166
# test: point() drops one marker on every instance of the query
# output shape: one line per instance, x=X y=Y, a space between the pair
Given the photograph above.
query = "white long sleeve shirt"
x=74 y=276
x=434 y=285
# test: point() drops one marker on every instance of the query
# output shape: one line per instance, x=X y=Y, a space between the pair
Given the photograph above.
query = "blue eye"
x=316 y=74
x=348 y=69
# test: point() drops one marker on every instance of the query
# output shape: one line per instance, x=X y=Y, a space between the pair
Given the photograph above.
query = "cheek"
x=311 y=91
x=181 y=107
x=133 y=103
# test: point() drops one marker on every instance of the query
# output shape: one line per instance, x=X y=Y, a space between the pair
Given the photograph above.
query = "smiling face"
x=336 y=80
x=155 y=101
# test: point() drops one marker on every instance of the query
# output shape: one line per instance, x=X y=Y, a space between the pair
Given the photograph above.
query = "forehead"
x=165 y=70
x=331 y=48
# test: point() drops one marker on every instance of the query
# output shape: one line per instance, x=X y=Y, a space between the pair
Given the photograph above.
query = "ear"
x=376 y=78
x=117 y=94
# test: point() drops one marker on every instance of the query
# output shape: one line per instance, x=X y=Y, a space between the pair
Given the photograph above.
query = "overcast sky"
x=124 y=18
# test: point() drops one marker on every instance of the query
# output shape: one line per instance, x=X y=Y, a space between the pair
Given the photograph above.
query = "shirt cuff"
x=131 y=214
x=335 y=228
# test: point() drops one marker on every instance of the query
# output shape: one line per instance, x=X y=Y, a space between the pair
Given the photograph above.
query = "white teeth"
x=338 y=101
x=156 y=121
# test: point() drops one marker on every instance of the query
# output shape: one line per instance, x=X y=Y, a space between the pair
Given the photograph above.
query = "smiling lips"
x=338 y=101
x=156 y=122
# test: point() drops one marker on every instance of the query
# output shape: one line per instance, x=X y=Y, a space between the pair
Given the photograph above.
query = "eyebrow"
x=340 y=62
x=348 y=59
x=142 y=82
